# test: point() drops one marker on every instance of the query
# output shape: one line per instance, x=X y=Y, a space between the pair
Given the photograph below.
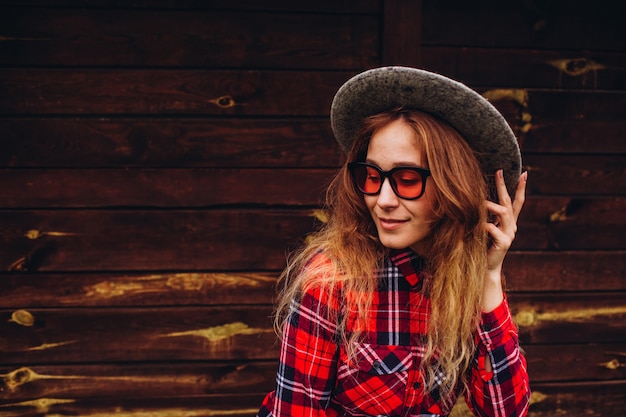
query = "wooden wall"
x=158 y=159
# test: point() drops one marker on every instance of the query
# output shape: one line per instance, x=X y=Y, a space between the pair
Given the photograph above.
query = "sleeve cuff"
x=497 y=327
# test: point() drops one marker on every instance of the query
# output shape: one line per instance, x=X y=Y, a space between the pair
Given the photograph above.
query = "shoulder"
x=321 y=281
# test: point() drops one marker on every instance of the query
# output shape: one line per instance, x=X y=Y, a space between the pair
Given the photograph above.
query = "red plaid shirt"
x=315 y=377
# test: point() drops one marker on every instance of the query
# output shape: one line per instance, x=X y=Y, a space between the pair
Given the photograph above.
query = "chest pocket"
x=374 y=382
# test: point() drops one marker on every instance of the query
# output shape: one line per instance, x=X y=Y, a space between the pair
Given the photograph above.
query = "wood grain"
x=579 y=399
x=224 y=142
x=184 y=188
x=166 y=142
x=571 y=224
x=571 y=318
x=594 y=361
x=134 y=381
x=247 y=239
x=565 y=271
x=81 y=335
x=576 y=175
x=555 y=25
x=66 y=290
x=345 y=6
x=242 y=93
x=167 y=92
x=127 y=240
x=191 y=38
x=529 y=272
x=239 y=332
x=529 y=68
x=561 y=175
x=194 y=386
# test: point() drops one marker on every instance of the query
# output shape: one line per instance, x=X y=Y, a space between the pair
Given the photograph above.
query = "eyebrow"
x=398 y=164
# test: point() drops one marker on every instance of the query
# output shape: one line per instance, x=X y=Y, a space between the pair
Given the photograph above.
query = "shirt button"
x=416 y=385
x=376 y=365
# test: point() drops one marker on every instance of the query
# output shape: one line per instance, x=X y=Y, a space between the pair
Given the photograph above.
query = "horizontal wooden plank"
x=124 y=240
x=187 y=38
x=137 y=334
x=576 y=362
x=525 y=272
x=248 y=93
x=560 y=175
x=574 y=137
x=576 y=175
x=572 y=318
x=565 y=271
x=574 y=399
x=131 y=386
x=571 y=224
x=247 y=239
x=167 y=92
x=329 y=6
x=136 y=289
x=529 y=68
x=137 y=381
x=224 y=142
x=528 y=111
x=564 y=24
x=577 y=399
x=239 y=332
x=211 y=142
x=243 y=405
x=164 y=188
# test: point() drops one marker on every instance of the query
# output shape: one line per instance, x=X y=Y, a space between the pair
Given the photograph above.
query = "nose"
x=387 y=198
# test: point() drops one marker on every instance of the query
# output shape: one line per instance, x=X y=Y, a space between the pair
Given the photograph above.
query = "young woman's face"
x=400 y=223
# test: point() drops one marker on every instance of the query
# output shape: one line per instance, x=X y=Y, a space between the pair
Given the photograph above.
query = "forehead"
x=395 y=144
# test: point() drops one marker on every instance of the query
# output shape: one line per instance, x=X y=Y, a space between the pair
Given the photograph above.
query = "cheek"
x=430 y=200
x=370 y=202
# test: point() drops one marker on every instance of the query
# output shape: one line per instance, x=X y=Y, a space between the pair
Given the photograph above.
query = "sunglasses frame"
x=424 y=174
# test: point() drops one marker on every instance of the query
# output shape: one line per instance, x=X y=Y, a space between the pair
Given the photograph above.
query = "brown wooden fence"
x=159 y=158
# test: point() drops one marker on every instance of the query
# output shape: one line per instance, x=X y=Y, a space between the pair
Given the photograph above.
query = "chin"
x=395 y=243
x=391 y=241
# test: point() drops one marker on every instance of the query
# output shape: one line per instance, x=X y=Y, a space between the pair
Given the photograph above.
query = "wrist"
x=493 y=293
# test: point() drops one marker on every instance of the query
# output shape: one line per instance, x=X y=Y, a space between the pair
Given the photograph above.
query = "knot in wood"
x=18 y=377
x=23 y=317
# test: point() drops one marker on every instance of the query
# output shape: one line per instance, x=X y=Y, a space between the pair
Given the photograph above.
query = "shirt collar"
x=410 y=265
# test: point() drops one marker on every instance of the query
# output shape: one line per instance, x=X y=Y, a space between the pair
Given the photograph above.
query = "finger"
x=500 y=240
x=503 y=217
x=503 y=194
x=520 y=195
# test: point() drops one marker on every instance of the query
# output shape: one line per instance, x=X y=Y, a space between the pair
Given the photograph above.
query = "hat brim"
x=477 y=120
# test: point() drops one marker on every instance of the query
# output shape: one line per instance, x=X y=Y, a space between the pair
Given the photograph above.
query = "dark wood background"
x=159 y=158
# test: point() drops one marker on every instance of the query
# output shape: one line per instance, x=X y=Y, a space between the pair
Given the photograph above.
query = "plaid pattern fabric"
x=316 y=377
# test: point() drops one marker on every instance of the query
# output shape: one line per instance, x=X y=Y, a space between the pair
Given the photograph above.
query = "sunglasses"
x=408 y=183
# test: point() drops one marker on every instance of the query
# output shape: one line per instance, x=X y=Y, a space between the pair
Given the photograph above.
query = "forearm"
x=499 y=381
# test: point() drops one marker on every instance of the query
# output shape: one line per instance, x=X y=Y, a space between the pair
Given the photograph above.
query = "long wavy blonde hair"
x=455 y=262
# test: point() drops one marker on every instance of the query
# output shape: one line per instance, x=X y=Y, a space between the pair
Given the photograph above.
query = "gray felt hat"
x=478 y=121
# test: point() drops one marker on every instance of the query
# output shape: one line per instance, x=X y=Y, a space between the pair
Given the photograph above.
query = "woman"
x=396 y=307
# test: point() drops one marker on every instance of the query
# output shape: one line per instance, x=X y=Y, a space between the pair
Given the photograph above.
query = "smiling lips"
x=390 y=224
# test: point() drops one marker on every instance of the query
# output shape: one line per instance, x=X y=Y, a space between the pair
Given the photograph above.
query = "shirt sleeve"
x=504 y=391
x=308 y=360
